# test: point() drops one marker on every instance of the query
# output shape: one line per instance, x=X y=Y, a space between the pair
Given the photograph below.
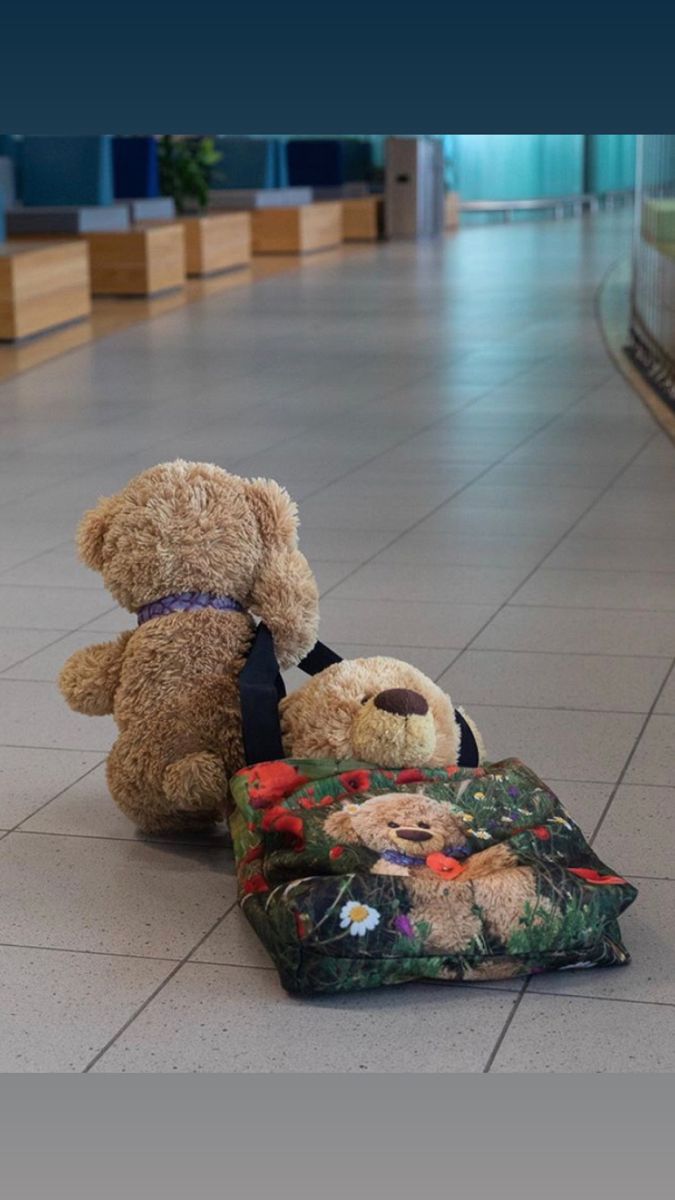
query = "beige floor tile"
x=666 y=701
x=654 y=760
x=402 y=622
x=114 y=897
x=557 y=681
x=234 y=944
x=16 y=645
x=639 y=830
x=560 y=1034
x=44 y=666
x=461 y=550
x=642 y=590
x=35 y=714
x=614 y=554
x=558 y=743
x=29 y=778
x=222 y=1018
x=57 y=1010
x=53 y=608
x=56 y=568
x=431 y=583
x=580 y=631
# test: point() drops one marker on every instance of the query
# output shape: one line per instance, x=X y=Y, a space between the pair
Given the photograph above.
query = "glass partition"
x=653 y=290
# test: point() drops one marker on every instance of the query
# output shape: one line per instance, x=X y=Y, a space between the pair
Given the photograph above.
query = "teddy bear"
x=379 y=710
x=458 y=895
x=194 y=552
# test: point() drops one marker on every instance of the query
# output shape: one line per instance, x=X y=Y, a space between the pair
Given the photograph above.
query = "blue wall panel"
x=66 y=170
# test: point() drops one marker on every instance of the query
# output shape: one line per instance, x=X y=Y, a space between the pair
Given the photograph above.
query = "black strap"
x=468 y=749
x=260 y=690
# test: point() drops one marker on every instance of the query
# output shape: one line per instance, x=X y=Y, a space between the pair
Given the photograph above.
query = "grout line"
x=106 y=837
x=20 y=661
x=208 y=962
x=557 y=653
x=520 y=650
x=609 y=999
x=628 y=761
x=506 y=603
x=156 y=991
x=507 y=1025
x=94 y=953
x=529 y=437
x=612 y=570
x=583 y=607
x=70 y=749
x=56 y=587
x=72 y=783
x=654 y=878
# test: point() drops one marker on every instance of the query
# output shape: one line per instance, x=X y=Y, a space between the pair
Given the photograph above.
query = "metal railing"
x=560 y=206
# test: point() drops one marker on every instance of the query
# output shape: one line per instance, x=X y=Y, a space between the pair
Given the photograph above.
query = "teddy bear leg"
x=138 y=785
x=197 y=786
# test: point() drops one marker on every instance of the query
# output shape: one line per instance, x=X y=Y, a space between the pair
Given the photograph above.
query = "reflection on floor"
x=481 y=493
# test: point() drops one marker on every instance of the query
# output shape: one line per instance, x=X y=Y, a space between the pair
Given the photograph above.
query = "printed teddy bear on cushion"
x=458 y=895
x=193 y=551
x=379 y=710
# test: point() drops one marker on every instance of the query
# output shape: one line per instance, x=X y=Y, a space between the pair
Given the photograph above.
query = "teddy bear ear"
x=339 y=826
x=275 y=512
x=91 y=533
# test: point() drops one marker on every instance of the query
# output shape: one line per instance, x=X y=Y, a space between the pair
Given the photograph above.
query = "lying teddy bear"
x=192 y=551
x=378 y=710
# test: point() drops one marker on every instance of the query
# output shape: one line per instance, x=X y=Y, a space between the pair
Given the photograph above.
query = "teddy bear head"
x=405 y=823
x=378 y=710
x=192 y=527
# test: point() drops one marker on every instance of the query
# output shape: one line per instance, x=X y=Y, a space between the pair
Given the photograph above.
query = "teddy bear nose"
x=402 y=702
x=413 y=835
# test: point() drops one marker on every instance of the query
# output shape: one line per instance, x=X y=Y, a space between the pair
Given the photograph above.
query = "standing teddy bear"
x=192 y=551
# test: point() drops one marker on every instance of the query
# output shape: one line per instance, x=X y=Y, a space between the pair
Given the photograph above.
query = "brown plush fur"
x=335 y=716
x=172 y=684
x=491 y=879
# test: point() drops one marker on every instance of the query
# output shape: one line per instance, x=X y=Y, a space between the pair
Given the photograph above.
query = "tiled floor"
x=482 y=494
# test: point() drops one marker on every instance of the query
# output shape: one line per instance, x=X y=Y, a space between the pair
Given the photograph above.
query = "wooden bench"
x=363 y=218
x=217 y=242
x=42 y=285
x=304 y=229
x=142 y=261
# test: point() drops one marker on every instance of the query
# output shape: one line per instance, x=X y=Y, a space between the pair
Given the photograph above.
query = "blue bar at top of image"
x=67 y=170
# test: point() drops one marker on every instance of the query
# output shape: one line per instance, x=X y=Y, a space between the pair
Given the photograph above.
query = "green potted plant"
x=184 y=170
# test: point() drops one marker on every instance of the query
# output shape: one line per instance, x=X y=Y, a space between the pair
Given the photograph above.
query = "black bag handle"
x=260 y=690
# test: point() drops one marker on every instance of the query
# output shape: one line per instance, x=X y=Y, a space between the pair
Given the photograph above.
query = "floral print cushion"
x=356 y=877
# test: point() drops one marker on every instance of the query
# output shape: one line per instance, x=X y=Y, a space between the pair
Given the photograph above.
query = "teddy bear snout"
x=414 y=835
x=401 y=702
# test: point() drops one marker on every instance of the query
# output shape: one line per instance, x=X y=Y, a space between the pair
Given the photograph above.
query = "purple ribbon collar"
x=419 y=860
x=187 y=602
